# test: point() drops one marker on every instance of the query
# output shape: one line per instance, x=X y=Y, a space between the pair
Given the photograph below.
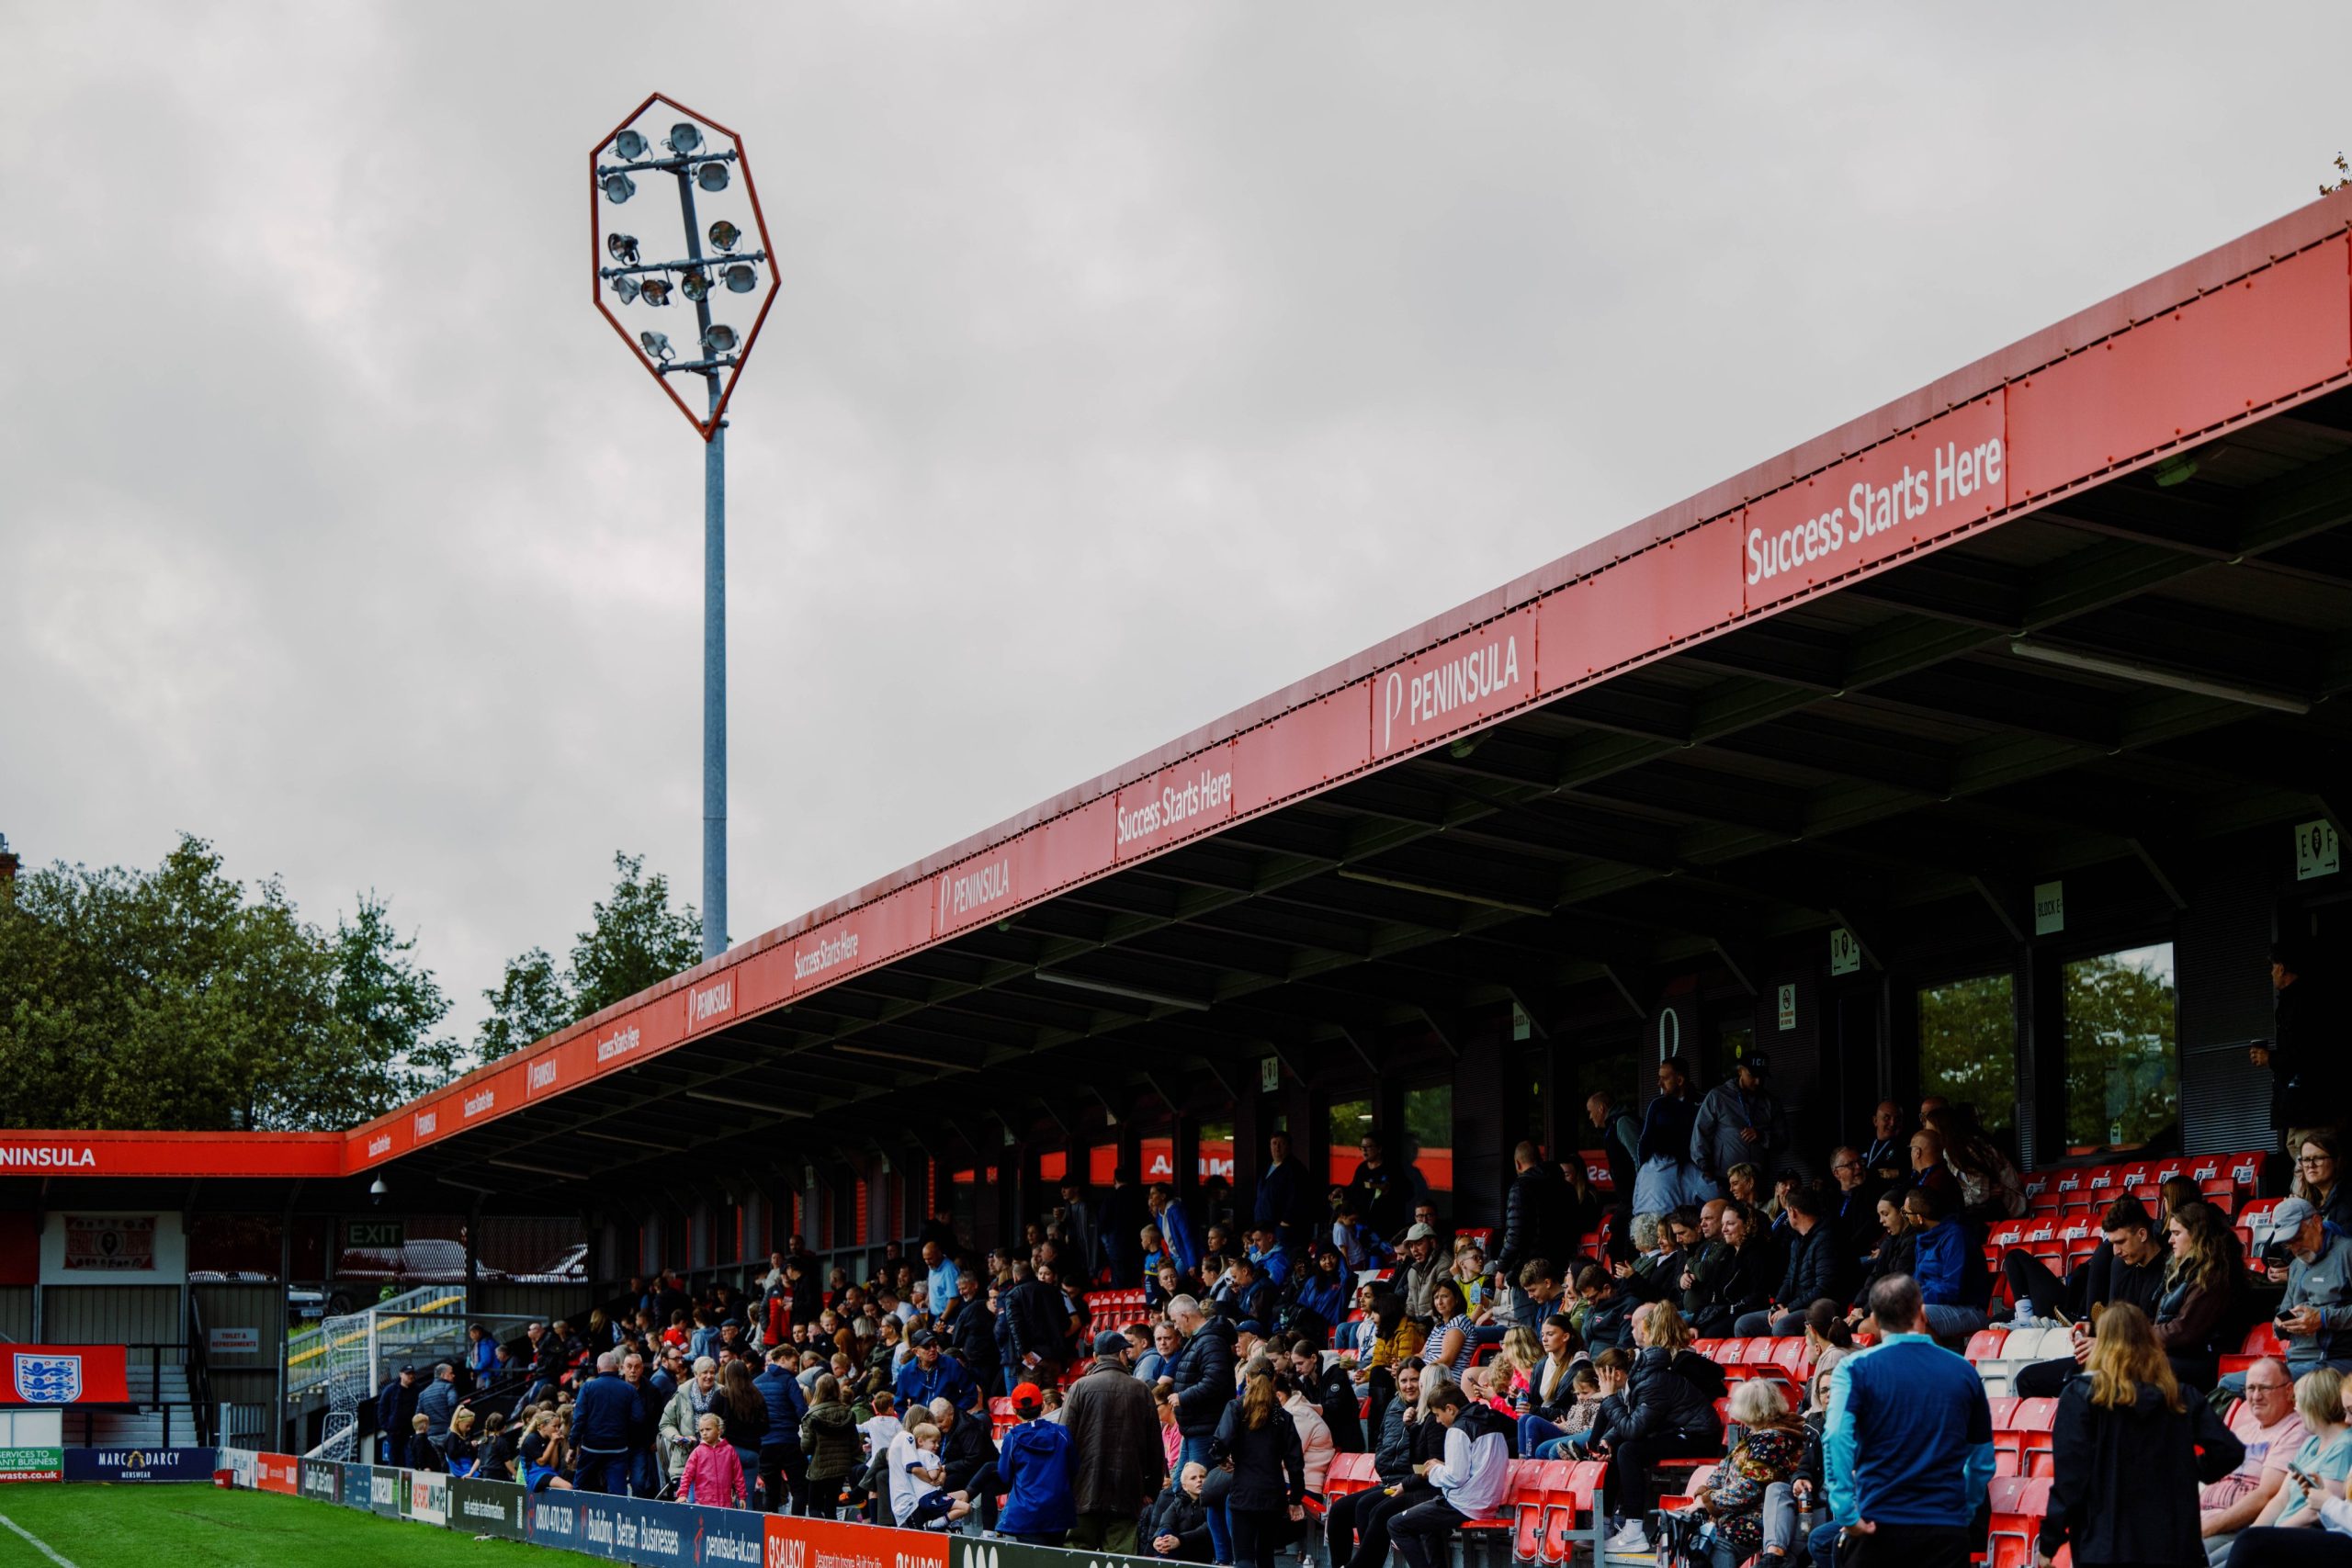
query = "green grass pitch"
x=190 y=1526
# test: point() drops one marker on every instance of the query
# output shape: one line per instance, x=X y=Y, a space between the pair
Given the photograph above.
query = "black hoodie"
x=2126 y=1480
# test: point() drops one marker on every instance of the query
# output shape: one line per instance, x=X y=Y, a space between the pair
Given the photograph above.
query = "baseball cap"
x=1420 y=1233
x=1757 y=1063
x=922 y=1336
x=1027 y=1393
x=1110 y=1342
x=2290 y=1214
x=1250 y=1326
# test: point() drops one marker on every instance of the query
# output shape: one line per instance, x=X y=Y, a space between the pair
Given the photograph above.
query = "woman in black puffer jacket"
x=1664 y=1408
x=1257 y=1441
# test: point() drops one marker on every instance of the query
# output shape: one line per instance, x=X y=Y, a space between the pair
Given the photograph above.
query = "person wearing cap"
x=1423 y=1269
x=395 y=1408
x=1117 y=1462
x=1033 y=1460
x=2315 y=1316
x=1740 y=1121
x=931 y=1373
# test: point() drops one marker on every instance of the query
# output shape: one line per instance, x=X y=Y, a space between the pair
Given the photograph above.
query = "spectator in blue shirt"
x=1175 y=1227
x=1265 y=1251
x=939 y=1278
x=1907 y=1450
x=931 y=1373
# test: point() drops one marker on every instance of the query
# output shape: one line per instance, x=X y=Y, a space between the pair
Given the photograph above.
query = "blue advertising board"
x=553 y=1520
x=636 y=1530
x=140 y=1465
x=355 y=1486
x=725 y=1537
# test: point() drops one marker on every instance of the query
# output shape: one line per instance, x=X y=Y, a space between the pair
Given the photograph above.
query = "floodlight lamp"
x=657 y=344
x=696 y=285
x=719 y=339
x=725 y=235
x=711 y=176
x=630 y=145
x=619 y=188
x=656 y=291
x=739 y=278
x=622 y=248
x=685 y=137
x=626 y=287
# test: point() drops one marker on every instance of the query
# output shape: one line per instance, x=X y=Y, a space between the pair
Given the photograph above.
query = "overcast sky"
x=1131 y=362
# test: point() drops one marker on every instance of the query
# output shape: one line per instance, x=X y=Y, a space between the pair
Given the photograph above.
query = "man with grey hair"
x=604 y=1414
x=439 y=1402
x=1202 y=1376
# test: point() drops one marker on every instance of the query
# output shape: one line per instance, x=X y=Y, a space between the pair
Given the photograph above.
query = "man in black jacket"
x=1619 y=1135
x=395 y=1408
x=1201 y=1379
x=1809 y=1273
x=971 y=1333
x=2310 y=1077
x=1037 y=1324
x=1538 y=1212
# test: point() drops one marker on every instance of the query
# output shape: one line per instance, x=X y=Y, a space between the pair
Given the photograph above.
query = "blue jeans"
x=1954 y=1322
x=1569 y=1446
x=1823 y=1544
x=1220 y=1533
x=1534 y=1430
x=1195 y=1449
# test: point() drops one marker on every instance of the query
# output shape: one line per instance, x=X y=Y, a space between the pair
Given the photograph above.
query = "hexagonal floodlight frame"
x=707 y=425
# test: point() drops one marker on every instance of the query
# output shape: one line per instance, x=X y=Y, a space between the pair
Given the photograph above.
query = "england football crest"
x=49 y=1380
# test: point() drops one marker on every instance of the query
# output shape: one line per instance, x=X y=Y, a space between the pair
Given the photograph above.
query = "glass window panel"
x=1968 y=1047
x=1344 y=1126
x=2122 y=1076
x=1429 y=1135
x=1216 y=1150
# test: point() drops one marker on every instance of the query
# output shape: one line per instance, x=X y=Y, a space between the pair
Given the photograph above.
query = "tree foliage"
x=634 y=940
x=179 y=999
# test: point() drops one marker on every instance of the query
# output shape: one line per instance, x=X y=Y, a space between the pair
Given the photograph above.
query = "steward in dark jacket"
x=1116 y=1463
x=2126 y=1480
x=1204 y=1378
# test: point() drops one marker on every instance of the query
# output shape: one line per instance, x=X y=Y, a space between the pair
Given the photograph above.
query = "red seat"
x=2261 y=1341
x=1349 y=1472
x=1795 y=1357
x=1577 y=1508
x=1984 y=1344
x=1534 y=1485
x=2018 y=1504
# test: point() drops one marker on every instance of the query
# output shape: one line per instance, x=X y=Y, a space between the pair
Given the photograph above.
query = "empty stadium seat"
x=2261 y=1340
x=1576 y=1516
x=2019 y=1504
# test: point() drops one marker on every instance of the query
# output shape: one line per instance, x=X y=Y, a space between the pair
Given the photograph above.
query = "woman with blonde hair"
x=2126 y=1454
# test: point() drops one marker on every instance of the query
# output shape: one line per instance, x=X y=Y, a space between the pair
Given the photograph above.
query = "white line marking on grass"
x=37 y=1544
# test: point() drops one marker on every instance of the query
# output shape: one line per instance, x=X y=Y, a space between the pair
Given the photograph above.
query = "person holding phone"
x=2323 y=1461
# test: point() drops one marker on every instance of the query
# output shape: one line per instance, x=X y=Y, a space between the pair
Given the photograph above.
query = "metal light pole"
x=695 y=164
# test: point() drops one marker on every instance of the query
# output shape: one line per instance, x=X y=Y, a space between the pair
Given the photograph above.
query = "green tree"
x=530 y=1002
x=2122 y=1076
x=637 y=940
x=177 y=998
x=1968 y=1034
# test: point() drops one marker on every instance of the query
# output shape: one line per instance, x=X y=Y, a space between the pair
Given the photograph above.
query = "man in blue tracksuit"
x=1907 y=1452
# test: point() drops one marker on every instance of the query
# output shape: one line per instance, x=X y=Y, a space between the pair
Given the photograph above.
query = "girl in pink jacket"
x=713 y=1475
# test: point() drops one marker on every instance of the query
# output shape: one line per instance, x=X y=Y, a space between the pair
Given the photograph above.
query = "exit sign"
x=2318 y=852
x=376 y=1235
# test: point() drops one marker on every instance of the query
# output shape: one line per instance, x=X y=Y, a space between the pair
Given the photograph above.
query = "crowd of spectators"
x=956 y=1390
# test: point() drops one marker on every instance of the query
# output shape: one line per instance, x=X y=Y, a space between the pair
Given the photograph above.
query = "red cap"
x=1027 y=1394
